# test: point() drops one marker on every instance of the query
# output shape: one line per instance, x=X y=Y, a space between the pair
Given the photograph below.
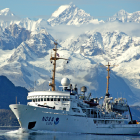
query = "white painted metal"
x=61 y=111
x=67 y=122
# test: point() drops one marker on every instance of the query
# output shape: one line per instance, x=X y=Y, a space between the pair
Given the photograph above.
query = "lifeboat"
x=91 y=103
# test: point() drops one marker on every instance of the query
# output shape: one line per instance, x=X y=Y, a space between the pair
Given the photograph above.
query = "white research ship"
x=67 y=111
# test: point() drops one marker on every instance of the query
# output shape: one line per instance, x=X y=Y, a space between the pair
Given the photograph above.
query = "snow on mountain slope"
x=6 y=12
x=12 y=36
x=84 y=71
x=7 y=18
x=123 y=16
x=70 y=15
x=16 y=63
x=32 y=25
x=27 y=23
x=115 y=47
x=26 y=55
x=65 y=14
x=60 y=10
x=29 y=64
x=111 y=44
x=33 y=48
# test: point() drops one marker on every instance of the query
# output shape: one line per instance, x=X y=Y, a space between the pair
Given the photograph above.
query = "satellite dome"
x=65 y=82
x=83 y=89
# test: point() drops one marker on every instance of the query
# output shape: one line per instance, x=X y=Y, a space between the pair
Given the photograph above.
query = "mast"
x=108 y=76
x=54 y=58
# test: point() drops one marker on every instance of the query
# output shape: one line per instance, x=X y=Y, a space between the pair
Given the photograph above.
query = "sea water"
x=7 y=133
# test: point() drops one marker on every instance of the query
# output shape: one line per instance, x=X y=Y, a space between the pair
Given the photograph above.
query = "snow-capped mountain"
x=6 y=12
x=34 y=47
x=30 y=61
x=26 y=47
x=33 y=25
x=64 y=15
x=123 y=16
x=92 y=43
x=7 y=18
x=13 y=36
x=70 y=15
x=115 y=47
x=19 y=63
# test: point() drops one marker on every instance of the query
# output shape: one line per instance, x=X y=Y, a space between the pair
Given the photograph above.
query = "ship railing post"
x=97 y=115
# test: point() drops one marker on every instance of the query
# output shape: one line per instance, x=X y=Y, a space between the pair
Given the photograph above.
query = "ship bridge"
x=47 y=95
x=50 y=99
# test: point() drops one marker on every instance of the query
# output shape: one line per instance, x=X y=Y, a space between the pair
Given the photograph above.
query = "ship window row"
x=48 y=99
x=34 y=97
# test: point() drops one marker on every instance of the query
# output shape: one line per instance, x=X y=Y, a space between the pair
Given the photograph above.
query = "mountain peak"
x=121 y=13
x=6 y=12
x=123 y=16
x=70 y=15
x=60 y=10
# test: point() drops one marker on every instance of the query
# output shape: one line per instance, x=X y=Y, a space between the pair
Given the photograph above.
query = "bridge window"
x=76 y=110
x=64 y=108
x=44 y=99
x=33 y=100
x=41 y=99
x=47 y=99
x=51 y=99
x=38 y=99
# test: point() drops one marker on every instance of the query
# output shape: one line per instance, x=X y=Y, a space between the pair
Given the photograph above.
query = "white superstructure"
x=67 y=111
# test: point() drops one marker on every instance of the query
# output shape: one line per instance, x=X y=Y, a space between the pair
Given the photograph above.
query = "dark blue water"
x=18 y=134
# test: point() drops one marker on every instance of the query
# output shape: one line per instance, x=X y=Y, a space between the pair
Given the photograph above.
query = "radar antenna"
x=53 y=59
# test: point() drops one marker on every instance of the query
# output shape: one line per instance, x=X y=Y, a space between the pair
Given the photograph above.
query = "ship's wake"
x=39 y=134
x=23 y=134
x=32 y=132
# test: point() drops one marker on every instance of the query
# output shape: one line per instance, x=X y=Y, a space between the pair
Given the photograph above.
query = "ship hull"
x=39 y=118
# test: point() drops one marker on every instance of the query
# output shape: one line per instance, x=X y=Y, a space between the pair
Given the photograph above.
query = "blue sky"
x=101 y=9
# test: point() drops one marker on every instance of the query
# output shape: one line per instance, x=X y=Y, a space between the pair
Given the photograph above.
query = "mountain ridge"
x=123 y=16
x=26 y=50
